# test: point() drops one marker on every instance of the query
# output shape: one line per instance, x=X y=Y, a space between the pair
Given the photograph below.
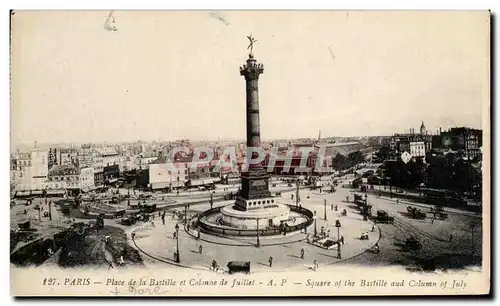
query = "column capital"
x=252 y=69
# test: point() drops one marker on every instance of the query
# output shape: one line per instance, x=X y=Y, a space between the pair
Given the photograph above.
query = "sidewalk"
x=158 y=243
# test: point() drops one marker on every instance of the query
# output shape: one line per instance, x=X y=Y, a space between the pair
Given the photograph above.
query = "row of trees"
x=341 y=162
x=450 y=172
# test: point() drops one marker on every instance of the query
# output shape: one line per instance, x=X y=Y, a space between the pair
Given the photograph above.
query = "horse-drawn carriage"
x=416 y=213
x=438 y=212
x=383 y=217
x=24 y=225
x=130 y=219
x=359 y=201
x=238 y=266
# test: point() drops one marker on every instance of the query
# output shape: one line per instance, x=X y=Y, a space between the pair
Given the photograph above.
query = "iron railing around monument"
x=268 y=231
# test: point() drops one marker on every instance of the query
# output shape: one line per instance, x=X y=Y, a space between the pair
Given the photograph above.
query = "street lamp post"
x=178 y=256
x=325 y=209
x=297 y=195
x=258 y=237
x=50 y=204
x=390 y=186
x=315 y=227
x=472 y=227
x=338 y=225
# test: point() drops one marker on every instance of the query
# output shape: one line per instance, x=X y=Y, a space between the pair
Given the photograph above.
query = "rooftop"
x=63 y=170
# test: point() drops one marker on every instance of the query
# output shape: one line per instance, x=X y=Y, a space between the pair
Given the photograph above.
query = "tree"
x=383 y=153
x=338 y=162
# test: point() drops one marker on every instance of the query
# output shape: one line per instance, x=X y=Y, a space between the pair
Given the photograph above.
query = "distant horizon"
x=109 y=142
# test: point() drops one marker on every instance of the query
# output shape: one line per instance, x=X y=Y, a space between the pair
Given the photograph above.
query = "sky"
x=170 y=75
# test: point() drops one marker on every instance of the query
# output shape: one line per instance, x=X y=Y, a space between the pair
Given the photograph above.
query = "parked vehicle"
x=238 y=267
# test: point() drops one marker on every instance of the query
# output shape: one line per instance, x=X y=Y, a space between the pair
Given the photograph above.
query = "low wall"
x=269 y=231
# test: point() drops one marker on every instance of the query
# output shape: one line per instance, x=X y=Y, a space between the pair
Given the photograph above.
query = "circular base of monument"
x=248 y=219
x=231 y=221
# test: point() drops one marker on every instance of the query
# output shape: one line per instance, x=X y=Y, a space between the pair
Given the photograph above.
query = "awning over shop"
x=177 y=184
x=56 y=191
x=209 y=181
x=25 y=193
x=196 y=183
x=160 y=185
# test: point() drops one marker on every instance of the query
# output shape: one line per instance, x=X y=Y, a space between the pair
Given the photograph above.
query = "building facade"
x=417 y=149
x=467 y=140
x=163 y=176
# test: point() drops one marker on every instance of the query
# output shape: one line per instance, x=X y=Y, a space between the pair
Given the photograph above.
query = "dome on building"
x=422 y=128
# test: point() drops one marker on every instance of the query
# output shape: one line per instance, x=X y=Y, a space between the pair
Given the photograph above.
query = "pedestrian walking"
x=302 y=252
x=270 y=261
x=331 y=207
x=175 y=235
x=342 y=239
x=373 y=227
x=110 y=265
x=315 y=264
x=187 y=227
x=200 y=248
x=214 y=264
x=451 y=237
x=133 y=235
